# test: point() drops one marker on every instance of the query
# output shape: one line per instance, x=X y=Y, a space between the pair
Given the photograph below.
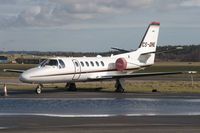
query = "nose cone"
x=28 y=75
x=25 y=77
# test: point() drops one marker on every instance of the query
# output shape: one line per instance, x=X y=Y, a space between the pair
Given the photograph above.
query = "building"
x=3 y=59
x=28 y=60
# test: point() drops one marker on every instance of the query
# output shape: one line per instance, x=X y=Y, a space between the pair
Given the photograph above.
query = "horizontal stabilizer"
x=163 y=51
x=121 y=50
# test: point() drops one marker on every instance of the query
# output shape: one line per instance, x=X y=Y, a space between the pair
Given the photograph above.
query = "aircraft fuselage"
x=76 y=69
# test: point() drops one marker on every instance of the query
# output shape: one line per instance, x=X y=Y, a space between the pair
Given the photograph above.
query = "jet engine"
x=121 y=64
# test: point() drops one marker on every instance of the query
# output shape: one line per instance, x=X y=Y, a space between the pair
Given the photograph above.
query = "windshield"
x=42 y=63
x=49 y=62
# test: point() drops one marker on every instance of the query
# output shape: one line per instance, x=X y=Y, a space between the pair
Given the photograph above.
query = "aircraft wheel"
x=120 y=85
x=71 y=87
x=39 y=89
x=119 y=89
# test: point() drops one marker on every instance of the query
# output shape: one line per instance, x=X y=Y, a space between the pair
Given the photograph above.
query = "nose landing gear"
x=38 y=89
x=71 y=87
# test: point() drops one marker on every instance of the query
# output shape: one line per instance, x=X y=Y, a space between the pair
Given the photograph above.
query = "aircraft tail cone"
x=5 y=90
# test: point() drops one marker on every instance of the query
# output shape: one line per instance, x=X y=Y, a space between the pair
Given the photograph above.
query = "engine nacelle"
x=121 y=64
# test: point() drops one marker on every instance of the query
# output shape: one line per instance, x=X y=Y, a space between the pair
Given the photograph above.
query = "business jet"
x=82 y=69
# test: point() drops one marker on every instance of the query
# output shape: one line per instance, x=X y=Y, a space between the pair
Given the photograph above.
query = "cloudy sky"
x=95 y=25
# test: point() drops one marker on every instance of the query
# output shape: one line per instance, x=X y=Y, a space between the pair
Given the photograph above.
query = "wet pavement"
x=59 y=111
x=98 y=107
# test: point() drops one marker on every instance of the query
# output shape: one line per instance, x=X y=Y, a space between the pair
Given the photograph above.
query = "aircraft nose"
x=24 y=77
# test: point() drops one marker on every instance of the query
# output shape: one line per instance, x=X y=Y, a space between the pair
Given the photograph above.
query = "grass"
x=175 y=66
x=14 y=66
x=164 y=86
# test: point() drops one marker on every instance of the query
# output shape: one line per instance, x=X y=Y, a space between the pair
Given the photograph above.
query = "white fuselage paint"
x=74 y=71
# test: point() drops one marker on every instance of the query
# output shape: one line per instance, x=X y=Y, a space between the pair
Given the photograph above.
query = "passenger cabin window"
x=76 y=63
x=91 y=63
x=87 y=63
x=102 y=63
x=97 y=63
x=62 y=64
x=82 y=64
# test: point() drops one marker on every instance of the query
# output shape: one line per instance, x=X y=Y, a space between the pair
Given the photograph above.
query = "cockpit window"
x=42 y=63
x=52 y=63
x=49 y=62
x=62 y=64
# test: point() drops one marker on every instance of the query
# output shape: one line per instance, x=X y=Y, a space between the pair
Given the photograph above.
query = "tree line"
x=189 y=53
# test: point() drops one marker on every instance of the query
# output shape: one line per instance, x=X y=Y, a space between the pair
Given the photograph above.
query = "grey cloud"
x=13 y=1
x=63 y=12
x=191 y=3
x=7 y=1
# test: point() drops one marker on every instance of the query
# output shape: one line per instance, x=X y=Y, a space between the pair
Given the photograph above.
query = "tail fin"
x=148 y=44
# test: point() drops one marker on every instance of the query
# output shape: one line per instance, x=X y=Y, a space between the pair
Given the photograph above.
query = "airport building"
x=28 y=60
x=3 y=59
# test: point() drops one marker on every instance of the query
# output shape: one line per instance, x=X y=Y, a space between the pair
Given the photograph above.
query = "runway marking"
x=2 y=128
x=96 y=115
x=73 y=115
x=92 y=115
x=93 y=99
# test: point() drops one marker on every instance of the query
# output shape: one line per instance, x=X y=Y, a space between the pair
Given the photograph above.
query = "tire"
x=119 y=89
x=38 y=89
x=72 y=87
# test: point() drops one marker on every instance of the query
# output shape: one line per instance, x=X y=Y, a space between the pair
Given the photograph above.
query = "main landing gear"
x=38 y=89
x=120 y=85
x=71 y=87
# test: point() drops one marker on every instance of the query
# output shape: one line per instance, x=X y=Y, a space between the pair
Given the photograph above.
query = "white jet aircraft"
x=79 y=69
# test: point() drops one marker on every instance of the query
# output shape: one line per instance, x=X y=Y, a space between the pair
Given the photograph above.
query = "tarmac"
x=93 y=93
x=121 y=124
x=112 y=124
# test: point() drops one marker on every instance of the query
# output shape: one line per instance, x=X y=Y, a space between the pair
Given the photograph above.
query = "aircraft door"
x=77 y=70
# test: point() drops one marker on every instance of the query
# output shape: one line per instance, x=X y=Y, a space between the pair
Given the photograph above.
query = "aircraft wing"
x=145 y=74
x=13 y=70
